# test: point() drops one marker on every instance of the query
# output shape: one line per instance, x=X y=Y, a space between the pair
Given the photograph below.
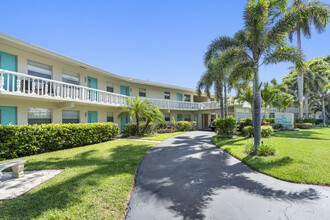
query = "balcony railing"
x=26 y=85
x=13 y=83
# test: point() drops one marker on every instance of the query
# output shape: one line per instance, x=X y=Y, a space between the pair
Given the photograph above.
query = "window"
x=70 y=116
x=212 y=99
x=187 y=117
x=167 y=117
x=167 y=95
x=109 y=116
x=187 y=98
x=39 y=116
x=109 y=87
x=142 y=92
x=39 y=69
x=70 y=77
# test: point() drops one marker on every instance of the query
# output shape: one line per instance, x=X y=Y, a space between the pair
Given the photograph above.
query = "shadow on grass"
x=81 y=172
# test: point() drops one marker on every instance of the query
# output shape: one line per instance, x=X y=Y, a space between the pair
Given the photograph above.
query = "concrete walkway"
x=187 y=177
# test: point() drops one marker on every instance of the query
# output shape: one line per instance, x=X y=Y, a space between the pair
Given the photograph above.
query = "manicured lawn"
x=95 y=184
x=297 y=160
x=161 y=137
x=313 y=133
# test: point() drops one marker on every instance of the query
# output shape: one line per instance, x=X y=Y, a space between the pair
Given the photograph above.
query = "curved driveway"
x=187 y=177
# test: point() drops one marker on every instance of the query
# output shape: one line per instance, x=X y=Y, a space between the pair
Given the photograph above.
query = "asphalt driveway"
x=188 y=177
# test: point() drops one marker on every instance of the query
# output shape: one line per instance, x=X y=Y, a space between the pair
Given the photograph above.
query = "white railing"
x=32 y=86
x=26 y=85
x=172 y=104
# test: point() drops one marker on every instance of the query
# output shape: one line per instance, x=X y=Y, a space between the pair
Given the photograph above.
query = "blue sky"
x=161 y=41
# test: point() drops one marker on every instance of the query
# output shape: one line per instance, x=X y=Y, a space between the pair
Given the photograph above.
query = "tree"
x=246 y=95
x=213 y=76
x=283 y=101
x=316 y=13
x=153 y=114
x=268 y=94
x=136 y=108
x=262 y=41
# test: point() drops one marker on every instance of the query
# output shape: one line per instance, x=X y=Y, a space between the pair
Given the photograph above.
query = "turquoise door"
x=179 y=117
x=196 y=118
x=92 y=83
x=8 y=62
x=8 y=115
x=179 y=98
x=92 y=117
x=124 y=90
x=124 y=121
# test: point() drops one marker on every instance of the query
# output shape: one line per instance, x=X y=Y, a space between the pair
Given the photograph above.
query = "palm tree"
x=268 y=94
x=283 y=101
x=262 y=41
x=246 y=95
x=153 y=115
x=136 y=108
x=213 y=76
x=315 y=13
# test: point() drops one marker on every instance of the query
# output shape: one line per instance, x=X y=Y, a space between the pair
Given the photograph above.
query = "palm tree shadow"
x=192 y=170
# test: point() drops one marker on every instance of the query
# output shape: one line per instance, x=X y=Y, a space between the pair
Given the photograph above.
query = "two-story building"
x=40 y=86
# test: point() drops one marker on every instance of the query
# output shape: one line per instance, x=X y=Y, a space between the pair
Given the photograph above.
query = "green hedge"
x=266 y=131
x=303 y=125
x=22 y=140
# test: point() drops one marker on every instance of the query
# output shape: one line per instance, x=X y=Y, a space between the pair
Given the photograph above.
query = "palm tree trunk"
x=300 y=80
x=138 y=124
x=323 y=111
x=145 y=128
x=221 y=101
x=265 y=112
x=306 y=105
x=226 y=106
x=256 y=108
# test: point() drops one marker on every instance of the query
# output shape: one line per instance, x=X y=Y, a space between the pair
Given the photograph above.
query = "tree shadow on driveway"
x=186 y=171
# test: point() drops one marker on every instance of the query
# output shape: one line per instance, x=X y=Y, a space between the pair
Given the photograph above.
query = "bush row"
x=225 y=127
x=266 y=131
x=131 y=129
x=249 y=121
x=17 y=141
x=303 y=125
x=310 y=120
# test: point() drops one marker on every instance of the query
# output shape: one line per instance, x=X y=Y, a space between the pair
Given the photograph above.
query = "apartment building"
x=40 y=86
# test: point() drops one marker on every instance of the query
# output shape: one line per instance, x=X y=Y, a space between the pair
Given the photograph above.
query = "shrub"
x=263 y=149
x=303 y=125
x=185 y=125
x=266 y=150
x=245 y=122
x=131 y=129
x=278 y=126
x=248 y=131
x=266 y=131
x=166 y=130
x=265 y=123
x=22 y=140
x=225 y=127
x=270 y=120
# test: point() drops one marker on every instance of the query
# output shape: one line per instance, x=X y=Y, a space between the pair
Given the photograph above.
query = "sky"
x=161 y=41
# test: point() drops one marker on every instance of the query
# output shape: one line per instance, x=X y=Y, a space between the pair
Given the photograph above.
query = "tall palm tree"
x=262 y=41
x=213 y=76
x=268 y=94
x=136 y=108
x=316 y=14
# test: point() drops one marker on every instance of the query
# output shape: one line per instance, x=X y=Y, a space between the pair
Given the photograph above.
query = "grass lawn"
x=296 y=160
x=95 y=184
x=161 y=137
x=313 y=133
